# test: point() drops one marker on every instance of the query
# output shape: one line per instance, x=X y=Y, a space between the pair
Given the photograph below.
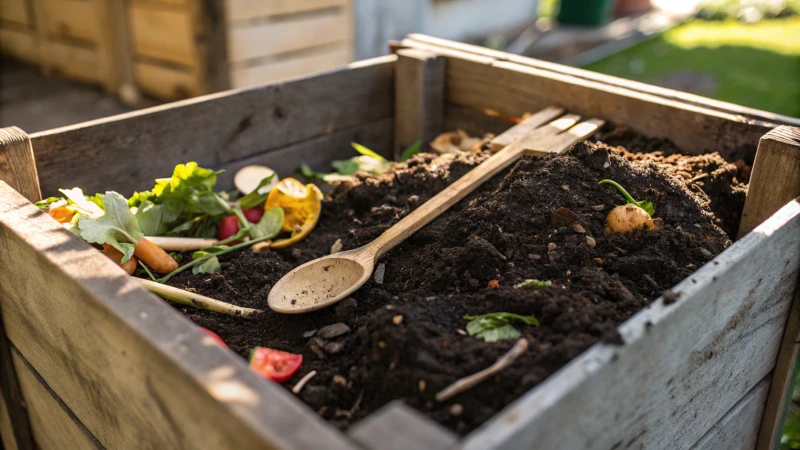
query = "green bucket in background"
x=585 y=12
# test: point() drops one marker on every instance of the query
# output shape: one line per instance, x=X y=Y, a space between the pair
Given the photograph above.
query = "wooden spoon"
x=325 y=281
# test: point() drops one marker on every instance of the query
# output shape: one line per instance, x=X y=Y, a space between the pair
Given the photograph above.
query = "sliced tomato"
x=215 y=337
x=274 y=364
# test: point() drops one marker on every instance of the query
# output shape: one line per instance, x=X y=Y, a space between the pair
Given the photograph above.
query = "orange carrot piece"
x=61 y=214
x=116 y=256
x=155 y=258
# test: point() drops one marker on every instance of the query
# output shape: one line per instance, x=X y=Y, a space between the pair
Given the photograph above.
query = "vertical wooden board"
x=167 y=83
x=134 y=148
x=513 y=89
x=74 y=61
x=166 y=34
x=130 y=367
x=15 y=11
x=79 y=19
x=302 y=64
x=19 y=43
x=419 y=98
x=236 y=10
x=399 y=427
x=6 y=432
x=738 y=430
x=54 y=427
x=682 y=366
x=17 y=164
x=273 y=37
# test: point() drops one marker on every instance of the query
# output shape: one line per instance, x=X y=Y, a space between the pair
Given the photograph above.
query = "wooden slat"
x=134 y=148
x=122 y=54
x=75 y=61
x=15 y=11
x=14 y=412
x=167 y=83
x=7 y=439
x=738 y=430
x=53 y=424
x=273 y=37
x=17 y=164
x=514 y=89
x=79 y=19
x=432 y=43
x=473 y=122
x=419 y=98
x=305 y=63
x=682 y=365
x=236 y=10
x=399 y=427
x=20 y=43
x=130 y=367
x=776 y=176
x=166 y=34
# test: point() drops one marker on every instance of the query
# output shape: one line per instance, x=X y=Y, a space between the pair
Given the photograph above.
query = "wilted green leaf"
x=116 y=227
x=211 y=265
x=497 y=326
x=412 y=150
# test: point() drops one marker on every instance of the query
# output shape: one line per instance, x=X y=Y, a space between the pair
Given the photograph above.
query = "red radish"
x=230 y=225
x=214 y=336
x=274 y=364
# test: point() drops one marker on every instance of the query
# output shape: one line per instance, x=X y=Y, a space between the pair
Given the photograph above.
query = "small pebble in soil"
x=599 y=261
x=389 y=307
x=413 y=199
x=332 y=331
x=346 y=309
x=336 y=247
x=340 y=380
x=381 y=345
x=421 y=385
x=456 y=409
x=551 y=246
x=431 y=298
x=698 y=226
x=398 y=319
x=380 y=271
x=598 y=207
x=534 y=257
x=333 y=348
x=590 y=241
x=461 y=332
x=578 y=228
x=308 y=334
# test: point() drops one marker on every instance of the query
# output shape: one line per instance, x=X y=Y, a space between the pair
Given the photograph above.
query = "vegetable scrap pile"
x=526 y=257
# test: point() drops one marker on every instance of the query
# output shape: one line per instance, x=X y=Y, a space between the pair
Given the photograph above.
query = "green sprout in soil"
x=536 y=284
x=497 y=326
x=644 y=204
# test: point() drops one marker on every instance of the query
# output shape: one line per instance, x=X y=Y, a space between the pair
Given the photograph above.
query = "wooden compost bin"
x=92 y=360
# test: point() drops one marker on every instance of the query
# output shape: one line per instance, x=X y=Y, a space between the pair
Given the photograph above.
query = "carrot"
x=155 y=258
x=116 y=256
x=62 y=214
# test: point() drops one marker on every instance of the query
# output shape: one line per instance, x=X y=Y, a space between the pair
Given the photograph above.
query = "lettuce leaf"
x=117 y=226
x=497 y=326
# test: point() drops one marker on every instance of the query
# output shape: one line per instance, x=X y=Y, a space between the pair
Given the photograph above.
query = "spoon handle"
x=546 y=139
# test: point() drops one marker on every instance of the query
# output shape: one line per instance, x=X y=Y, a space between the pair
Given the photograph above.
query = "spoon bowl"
x=320 y=283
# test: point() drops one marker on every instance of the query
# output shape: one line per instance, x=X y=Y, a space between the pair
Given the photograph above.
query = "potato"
x=628 y=218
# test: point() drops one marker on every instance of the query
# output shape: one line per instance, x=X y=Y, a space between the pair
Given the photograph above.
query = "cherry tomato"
x=214 y=336
x=274 y=364
x=230 y=225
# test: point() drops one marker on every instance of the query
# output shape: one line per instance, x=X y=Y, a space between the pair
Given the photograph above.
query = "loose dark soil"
x=406 y=337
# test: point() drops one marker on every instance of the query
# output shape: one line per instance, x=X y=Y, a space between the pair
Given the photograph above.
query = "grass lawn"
x=756 y=65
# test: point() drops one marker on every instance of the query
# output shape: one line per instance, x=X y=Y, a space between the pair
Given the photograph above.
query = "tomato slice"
x=215 y=337
x=274 y=364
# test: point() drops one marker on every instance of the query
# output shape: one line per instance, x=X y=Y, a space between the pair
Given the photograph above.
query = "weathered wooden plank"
x=738 y=430
x=776 y=176
x=399 y=427
x=473 y=122
x=14 y=411
x=20 y=43
x=78 y=19
x=130 y=367
x=213 y=130
x=514 y=89
x=15 y=11
x=249 y=41
x=166 y=34
x=255 y=9
x=77 y=62
x=7 y=439
x=276 y=69
x=317 y=152
x=433 y=43
x=53 y=424
x=168 y=82
x=683 y=365
x=418 y=98
x=17 y=164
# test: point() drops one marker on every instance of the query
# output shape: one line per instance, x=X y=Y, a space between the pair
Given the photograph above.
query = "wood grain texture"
x=260 y=39
x=419 y=99
x=775 y=179
x=433 y=43
x=254 y=9
x=53 y=424
x=165 y=34
x=399 y=427
x=125 y=363
x=14 y=412
x=77 y=62
x=513 y=89
x=213 y=130
x=20 y=43
x=167 y=82
x=783 y=379
x=738 y=430
x=7 y=439
x=15 y=11
x=473 y=122
x=17 y=164
x=683 y=365
x=77 y=19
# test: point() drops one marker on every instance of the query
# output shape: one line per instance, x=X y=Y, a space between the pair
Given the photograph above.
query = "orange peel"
x=301 y=206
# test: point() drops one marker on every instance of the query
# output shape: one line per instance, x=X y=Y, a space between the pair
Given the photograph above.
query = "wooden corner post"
x=18 y=169
x=419 y=98
x=776 y=181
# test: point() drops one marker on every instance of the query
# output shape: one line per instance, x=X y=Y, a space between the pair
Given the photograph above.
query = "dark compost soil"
x=505 y=231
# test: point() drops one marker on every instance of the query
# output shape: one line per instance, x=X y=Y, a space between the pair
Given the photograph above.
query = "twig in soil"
x=299 y=386
x=699 y=177
x=183 y=297
x=471 y=381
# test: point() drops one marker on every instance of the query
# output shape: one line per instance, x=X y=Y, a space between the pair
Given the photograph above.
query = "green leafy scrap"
x=536 y=284
x=117 y=226
x=497 y=326
x=49 y=202
x=256 y=198
x=412 y=150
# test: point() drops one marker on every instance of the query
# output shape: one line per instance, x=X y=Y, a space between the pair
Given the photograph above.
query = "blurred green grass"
x=755 y=65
